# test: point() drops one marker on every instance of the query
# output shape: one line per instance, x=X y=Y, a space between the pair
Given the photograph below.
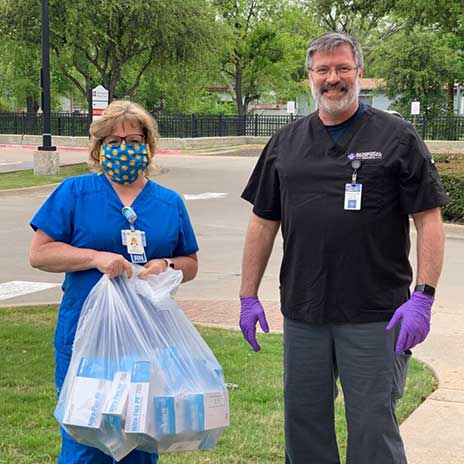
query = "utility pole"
x=46 y=159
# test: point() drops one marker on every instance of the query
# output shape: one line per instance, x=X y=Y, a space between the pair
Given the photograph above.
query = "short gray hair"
x=329 y=42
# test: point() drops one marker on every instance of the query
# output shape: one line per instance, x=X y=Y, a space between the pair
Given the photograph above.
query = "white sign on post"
x=99 y=100
x=291 y=107
x=415 y=107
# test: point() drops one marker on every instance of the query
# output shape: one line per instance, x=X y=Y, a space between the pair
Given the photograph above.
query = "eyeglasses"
x=341 y=70
x=131 y=139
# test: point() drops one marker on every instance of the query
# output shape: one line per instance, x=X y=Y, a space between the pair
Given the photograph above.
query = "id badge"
x=135 y=242
x=353 y=194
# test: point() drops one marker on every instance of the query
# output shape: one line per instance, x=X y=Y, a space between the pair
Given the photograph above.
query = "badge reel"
x=353 y=191
x=133 y=239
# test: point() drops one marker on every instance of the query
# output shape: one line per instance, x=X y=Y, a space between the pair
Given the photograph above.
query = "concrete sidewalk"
x=434 y=433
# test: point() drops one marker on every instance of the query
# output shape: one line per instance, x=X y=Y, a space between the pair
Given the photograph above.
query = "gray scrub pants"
x=372 y=377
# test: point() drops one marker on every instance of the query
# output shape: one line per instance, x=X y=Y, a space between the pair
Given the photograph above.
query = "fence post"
x=256 y=125
x=194 y=130
x=221 y=128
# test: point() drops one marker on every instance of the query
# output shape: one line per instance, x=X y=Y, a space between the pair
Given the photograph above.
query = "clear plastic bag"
x=140 y=375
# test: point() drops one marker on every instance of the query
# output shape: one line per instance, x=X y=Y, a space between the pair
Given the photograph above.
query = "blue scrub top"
x=85 y=212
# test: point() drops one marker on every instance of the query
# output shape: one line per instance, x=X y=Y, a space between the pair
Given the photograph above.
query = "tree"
x=372 y=23
x=19 y=76
x=260 y=55
x=114 y=42
x=440 y=16
x=180 y=89
x=416 y=65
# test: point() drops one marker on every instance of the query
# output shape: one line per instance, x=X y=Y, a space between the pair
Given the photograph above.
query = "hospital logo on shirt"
x=364 y=155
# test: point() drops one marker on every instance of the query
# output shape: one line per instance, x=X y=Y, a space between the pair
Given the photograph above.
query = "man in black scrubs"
x=342 y=183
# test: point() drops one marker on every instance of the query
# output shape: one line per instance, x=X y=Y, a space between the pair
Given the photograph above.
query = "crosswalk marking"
x=19 y=287
x=203 y=196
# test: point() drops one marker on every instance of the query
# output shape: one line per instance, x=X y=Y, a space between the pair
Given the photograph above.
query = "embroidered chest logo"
x=365 y=155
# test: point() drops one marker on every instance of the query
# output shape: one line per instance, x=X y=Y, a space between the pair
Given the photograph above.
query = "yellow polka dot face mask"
x=124 y=163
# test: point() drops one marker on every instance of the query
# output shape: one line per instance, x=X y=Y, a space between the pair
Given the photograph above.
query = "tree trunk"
x=450 y=97
x=32 y=105
x=241 y=110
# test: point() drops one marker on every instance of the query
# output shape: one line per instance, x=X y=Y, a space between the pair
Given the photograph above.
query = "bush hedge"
x=454 y=210
x=451 y=169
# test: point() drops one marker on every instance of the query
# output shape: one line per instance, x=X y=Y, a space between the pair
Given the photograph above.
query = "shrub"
x=454 y=210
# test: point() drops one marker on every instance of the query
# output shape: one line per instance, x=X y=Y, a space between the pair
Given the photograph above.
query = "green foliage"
x=454 y=210
x=19 y=74
x=439 y=15
x=182 y=89
x=443 y=17
x=372 y=23
x=264 y=51
x=451 y=169
x=114 y=42
x=416 y=65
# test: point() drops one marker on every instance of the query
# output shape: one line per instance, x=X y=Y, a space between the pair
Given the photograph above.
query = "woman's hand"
x=112 y=264
x=154 y=266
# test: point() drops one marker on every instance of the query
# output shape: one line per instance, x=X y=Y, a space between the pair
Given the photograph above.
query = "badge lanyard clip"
x=356 y=164
x=130 y=215
x=353 y=191
x=133 y=239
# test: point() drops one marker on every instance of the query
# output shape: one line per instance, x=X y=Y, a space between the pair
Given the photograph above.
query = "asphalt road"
x=220 y=225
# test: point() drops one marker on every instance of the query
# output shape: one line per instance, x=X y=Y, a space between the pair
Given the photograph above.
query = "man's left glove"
x=415 y=321
x=251 y=311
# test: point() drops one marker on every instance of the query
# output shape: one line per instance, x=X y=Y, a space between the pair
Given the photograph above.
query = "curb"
x=28 y=190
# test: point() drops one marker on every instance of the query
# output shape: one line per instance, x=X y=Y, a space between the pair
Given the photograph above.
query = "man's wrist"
x=425 y=289
x=248 y=297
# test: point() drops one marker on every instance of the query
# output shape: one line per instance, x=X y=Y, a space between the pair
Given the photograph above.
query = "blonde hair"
x=121 y=112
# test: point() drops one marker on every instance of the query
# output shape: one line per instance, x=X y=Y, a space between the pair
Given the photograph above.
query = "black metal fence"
x=71 y=124
x=187 y=126
x=439 y=127
x=219 y=126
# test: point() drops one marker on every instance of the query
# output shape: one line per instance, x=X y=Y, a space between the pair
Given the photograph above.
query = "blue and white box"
x=116 y=401
x=194 y=413
x=139 y=418
x=89 y=390
x=168 y=415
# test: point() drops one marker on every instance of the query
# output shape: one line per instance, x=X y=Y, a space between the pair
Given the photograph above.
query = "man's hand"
x=415 y=321
x=251 y=311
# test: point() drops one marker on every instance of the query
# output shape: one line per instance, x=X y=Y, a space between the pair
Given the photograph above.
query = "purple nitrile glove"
x=251 y=311
x=415 y=321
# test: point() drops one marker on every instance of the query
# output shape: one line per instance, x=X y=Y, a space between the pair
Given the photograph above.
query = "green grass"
x=29 y=433
x=26 y=178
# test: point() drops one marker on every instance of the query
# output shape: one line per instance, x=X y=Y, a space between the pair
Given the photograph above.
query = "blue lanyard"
x=130 y=215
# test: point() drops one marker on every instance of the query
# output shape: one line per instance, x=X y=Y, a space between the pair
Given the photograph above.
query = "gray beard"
x=332 y=106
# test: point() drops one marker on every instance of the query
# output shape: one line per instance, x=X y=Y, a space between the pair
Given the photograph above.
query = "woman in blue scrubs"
x=78 y=231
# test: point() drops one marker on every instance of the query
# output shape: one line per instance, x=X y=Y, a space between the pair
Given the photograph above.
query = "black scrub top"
x=344 y=266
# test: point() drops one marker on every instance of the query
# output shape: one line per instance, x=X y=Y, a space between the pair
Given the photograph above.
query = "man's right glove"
x=252 y=311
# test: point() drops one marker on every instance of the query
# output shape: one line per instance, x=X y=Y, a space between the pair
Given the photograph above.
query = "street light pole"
x=45 y=82
x=46 y=163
